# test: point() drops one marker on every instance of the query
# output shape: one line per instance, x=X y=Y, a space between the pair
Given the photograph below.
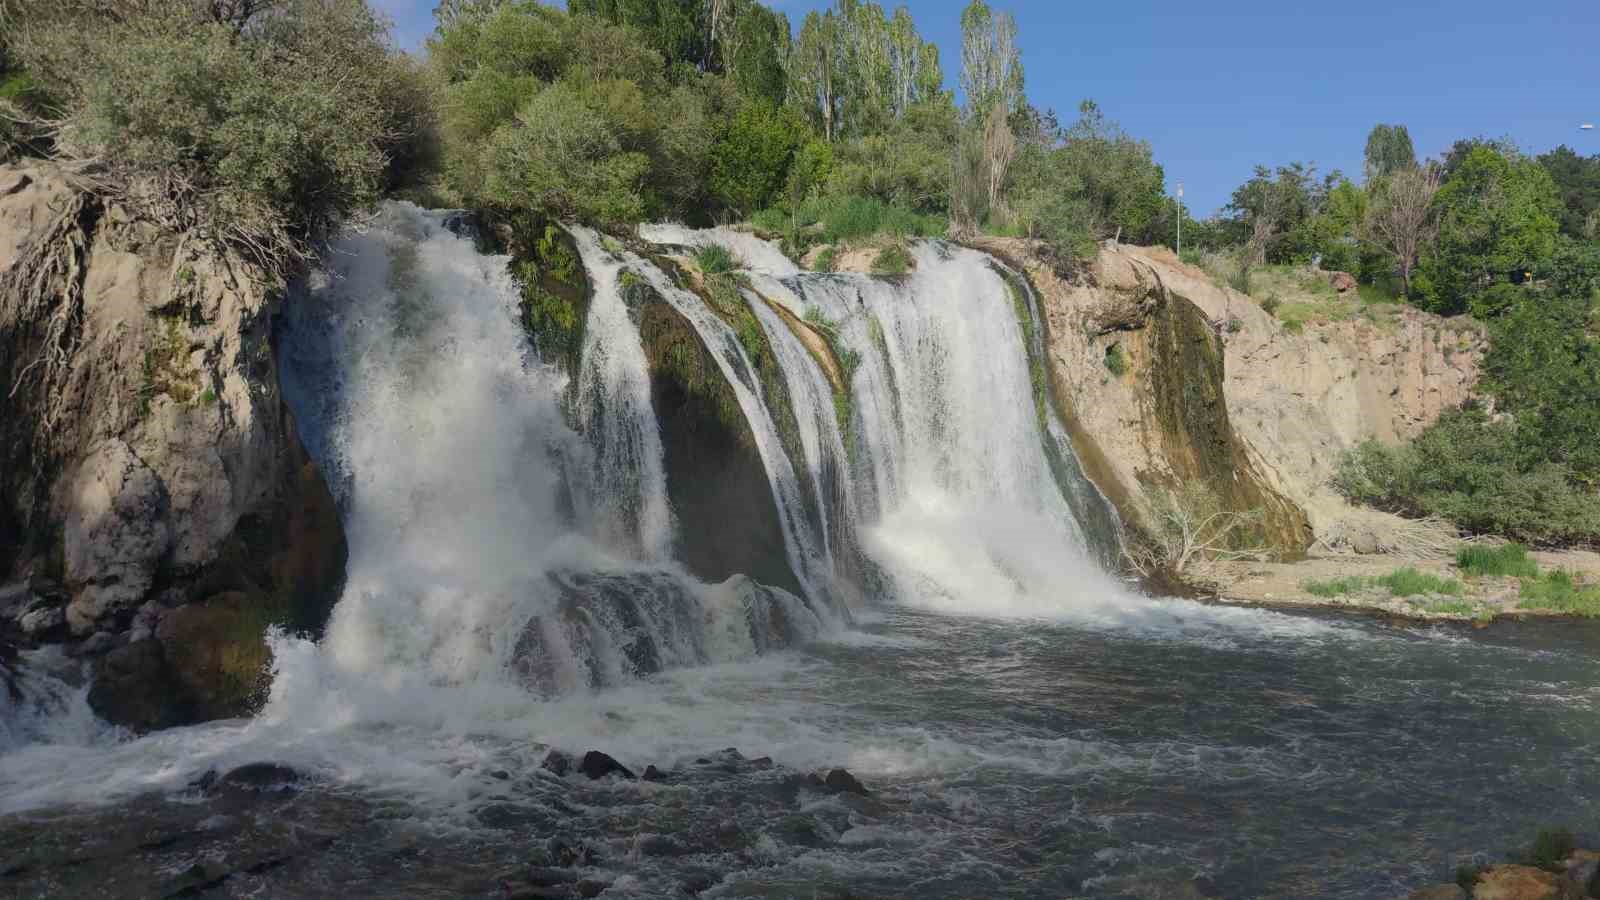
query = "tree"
x=816 y=71
x=753 y=48
x=1497 y=215
x=1577 y=180
x=1400 y=218
x=1271 y=206
x=1389 y=149
x=991 y=62
x=750 y=161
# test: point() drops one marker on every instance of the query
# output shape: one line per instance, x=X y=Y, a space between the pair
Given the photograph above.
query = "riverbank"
x=1355 y=583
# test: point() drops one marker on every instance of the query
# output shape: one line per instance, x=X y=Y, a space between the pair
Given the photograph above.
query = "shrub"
x=1471 y=470
x=266 y=122
x=894 y=259
x=825 y=259
x=1116 y=362
x=1551 y=847
x=1506 y=559
x=715 y=259
x=1408 y=582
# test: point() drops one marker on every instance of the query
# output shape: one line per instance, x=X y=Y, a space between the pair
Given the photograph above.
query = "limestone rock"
x=156 y=448
x=116 y=534
x=1512 y=882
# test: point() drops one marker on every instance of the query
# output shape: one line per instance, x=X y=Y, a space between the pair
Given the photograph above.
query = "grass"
x=714 y=259
x=1455 y=608
x=1507 y=559
x=1560 y=591
x=847 y=218
x=1408 y=582
x=1335 y=587
x=825 y=260
x=892 y=260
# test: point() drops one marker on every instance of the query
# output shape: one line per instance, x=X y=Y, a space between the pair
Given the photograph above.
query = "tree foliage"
x=1577 y=180
x=1389 y=150
x=1497 y=216
x=263 y=122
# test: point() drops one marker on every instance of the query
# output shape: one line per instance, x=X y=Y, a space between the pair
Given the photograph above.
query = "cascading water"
x=487 y=538
x=964 y=486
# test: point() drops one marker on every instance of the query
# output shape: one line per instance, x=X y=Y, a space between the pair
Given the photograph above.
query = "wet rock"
x=842 y=782
x=1583 y=873
x=115 y=533
x=591 y=888
x=698 y=883
x=40 y=620
x=1513 y=882
x=651 y=773
x=545 y=876
x=789 y=789
x=557 y=762
x=204 y=783
x=762 y=763
x=133 y=687
x=597 y=765
x=660 y=845
x=260 y=776
x=801 y=831
x=96 y=644
x=1438 y=892
x=569 y=855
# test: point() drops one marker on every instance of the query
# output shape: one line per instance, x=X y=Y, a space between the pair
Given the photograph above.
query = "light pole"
x=1180 y=221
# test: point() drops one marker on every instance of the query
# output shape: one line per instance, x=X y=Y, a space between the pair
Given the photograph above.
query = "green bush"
x=824 y=261
x=894 y=259
x=270 y=122
x=1475 y=473
x=1551 y=847
x=1408 y=582
x=1116 y=361
x=1506 y=559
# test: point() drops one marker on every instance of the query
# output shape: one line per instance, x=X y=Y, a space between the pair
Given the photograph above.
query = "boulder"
x=259 y=776
x=557 y=762
x=651 y=773
x=1342 y=281
x=116 y=533
x=134 y=687
x=1513 y=882
x=842 y=782
x=41 y=620
x=597 y=765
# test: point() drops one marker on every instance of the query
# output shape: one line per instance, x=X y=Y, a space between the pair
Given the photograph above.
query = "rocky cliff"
x=157 y=511
x=1170 y=377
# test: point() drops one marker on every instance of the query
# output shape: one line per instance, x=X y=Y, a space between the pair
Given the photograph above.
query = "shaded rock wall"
x=152 y=481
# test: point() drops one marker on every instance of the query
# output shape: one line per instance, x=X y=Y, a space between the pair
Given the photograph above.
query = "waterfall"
x=491 y=542
x=963 y=485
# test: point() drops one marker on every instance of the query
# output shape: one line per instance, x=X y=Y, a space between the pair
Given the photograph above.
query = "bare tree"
x=1189 y=530
x=999 y=150
x=1400 y=218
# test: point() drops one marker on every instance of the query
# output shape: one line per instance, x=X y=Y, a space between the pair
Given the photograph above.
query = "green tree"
x=677 y=29
x=1497 y=215
x=1577 y=180
x=750 y=161
x=1389 y=149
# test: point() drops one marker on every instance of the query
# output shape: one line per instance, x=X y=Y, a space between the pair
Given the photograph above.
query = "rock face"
x=147 y=462
x=1214 y=387
x=1511 y=882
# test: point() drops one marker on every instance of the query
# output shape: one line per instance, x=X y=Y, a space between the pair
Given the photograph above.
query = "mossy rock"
x=715 y=477
x=549 y=271
x=1197 y=435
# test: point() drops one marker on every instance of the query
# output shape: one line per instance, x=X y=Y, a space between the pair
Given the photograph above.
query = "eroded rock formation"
x=152 y=484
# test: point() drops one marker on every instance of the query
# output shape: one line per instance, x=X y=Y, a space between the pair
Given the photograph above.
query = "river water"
x=1155 y=750
x=1024 y=723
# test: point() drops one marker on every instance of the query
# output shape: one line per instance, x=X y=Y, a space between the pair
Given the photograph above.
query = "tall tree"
x=1497 y=215
x=1389 y=149
x=816 y=71
x=1400 y=217
x=991 y=61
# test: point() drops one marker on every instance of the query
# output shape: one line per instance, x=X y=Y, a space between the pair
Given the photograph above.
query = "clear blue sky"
x=1218 y=87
